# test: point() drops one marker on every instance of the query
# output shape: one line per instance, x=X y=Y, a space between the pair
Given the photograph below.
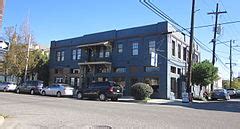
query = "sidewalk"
x=1 y=120
x=159 y=101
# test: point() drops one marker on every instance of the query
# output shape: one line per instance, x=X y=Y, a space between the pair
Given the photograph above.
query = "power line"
x=210 y=25
x=164 y=16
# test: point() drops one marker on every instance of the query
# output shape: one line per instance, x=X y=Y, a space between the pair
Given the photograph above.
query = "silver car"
x=58 y=90
x=7 y=86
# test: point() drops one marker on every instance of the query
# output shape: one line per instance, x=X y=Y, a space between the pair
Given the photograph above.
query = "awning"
x=94 y=44
x=94 y=63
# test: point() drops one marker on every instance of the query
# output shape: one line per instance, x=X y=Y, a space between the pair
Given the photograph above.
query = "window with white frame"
x=74 y=53
x=173 y=48
x=58 y=56
x=179 y=51
x=72 y=81
x=121 y=70
x=152 y=46
x=185 y=53
x=58 y=80
x=120 y=48
x=79 y=53
x=107 y=52
x=101 y=52
x=62 y=56
x=135 y=49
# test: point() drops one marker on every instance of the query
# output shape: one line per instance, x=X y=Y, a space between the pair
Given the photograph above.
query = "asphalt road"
x=42 y=112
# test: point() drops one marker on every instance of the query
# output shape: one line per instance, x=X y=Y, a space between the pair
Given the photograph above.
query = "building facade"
x=155 y=54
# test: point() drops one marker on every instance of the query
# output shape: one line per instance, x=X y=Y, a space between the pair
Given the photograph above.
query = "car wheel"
x=58 y=94
x=5 y=90
x=79 y=95
x=102 y=97
x=114 y=99
x=18 y=91
x=43 y=93
x=32 y=92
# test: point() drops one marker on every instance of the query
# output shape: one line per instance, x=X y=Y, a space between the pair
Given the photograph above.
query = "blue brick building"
x=155 y=54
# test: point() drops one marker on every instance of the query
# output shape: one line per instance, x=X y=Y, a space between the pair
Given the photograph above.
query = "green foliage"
x=235 y=83
x=204 y=73
x=15 y=58
x=141 y=91
x=225 y=83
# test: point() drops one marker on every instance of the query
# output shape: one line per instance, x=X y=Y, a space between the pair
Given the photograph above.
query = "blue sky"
x=61 y=19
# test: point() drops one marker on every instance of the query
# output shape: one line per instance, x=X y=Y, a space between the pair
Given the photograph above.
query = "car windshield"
x=219 y=90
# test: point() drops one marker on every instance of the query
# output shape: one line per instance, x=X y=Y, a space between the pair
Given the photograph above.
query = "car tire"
x=79 y=95
x=32 y=92
x=43 y=93
x=114 y=99
x=59 y=94
x=5 y=90
x=102 y=97
x=18 y=91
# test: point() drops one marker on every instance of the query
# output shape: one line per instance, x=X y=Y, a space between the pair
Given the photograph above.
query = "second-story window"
x=62 y=56
x=120 y=48
x=152 y=46
x=107 y=53
x=135 y=49
x=101 y=52
x=58 y=56
x=74 y=52
x=179 y=51
x=185 y=53
x=173 y=48
x=79 y=53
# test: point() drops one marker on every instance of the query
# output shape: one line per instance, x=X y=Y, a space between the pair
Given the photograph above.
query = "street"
x=44 y=112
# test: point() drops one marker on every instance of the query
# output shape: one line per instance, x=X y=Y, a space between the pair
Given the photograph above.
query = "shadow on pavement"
x=226 y=106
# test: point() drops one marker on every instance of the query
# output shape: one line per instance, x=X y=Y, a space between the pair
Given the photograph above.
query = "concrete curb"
x=1 y=120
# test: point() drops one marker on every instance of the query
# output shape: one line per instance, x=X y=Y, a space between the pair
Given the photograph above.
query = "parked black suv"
x=31 y=87
x=101 y=90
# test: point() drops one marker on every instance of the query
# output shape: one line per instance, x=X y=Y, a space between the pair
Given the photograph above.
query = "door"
x=49 y=89
x=54 y=90
x=24 y=87
x=88 y=91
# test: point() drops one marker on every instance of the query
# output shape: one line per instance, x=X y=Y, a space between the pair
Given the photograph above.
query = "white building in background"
x=217 y=85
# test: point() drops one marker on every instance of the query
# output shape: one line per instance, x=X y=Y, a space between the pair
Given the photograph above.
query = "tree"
x=15 y=58
x=204 y=73
x=235 y=83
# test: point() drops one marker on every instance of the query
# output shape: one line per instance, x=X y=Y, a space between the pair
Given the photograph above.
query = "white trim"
x=92 y=63
x=94 y=44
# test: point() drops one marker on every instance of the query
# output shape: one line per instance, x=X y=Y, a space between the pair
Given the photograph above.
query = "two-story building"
x=155 y=54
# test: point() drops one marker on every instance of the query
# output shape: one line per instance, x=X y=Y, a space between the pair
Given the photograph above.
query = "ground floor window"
x=102 y=79
x=151 y=69
x=72 y=81
x=174 y=87
x=58 y=80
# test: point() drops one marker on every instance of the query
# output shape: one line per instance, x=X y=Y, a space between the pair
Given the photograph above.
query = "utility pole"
x=230 y=58
x=27 y=58
x=190 y=52
x=215 y=34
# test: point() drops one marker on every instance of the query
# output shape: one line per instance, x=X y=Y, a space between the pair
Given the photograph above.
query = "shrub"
x=141 y=91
